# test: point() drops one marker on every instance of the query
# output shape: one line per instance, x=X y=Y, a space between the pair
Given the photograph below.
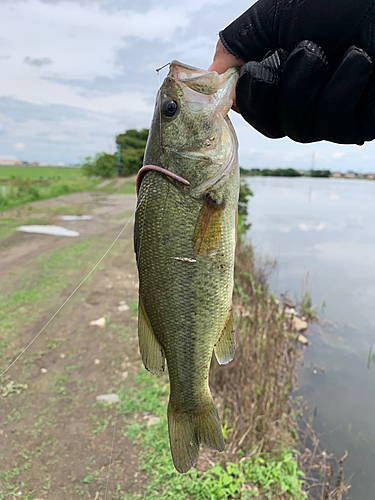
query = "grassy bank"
x=35 y=173
x=21 y=185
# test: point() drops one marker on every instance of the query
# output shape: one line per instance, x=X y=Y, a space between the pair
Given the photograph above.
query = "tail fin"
x=188 y=430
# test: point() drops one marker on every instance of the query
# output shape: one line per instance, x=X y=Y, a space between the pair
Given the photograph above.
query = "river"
x=323 y=231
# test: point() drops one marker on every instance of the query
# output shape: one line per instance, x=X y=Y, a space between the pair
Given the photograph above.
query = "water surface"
x=324 y=230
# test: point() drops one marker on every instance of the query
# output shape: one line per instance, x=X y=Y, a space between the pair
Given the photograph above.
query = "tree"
x=102 y=165
x=133 y=144
x=320 y=173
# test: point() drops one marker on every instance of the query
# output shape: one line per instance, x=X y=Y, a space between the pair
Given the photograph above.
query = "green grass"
x=35 y=173
x=20 y=185
x=19 y=194
x=261 y=477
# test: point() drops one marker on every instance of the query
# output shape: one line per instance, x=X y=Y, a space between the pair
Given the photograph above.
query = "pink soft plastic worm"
x=147 y=168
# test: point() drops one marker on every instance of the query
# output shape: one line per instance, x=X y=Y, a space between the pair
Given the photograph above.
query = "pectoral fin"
x=209 y=227
x=226 y=345
x=151 y=351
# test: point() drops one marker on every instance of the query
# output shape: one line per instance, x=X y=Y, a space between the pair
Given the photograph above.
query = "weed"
x=275 y=475
x=88 y=479
x=8 y=387
x=14 y=416
x=40 y=449
x=99 y=425
x=59 y=384
x=53 y=343
x=133 y=431
x=307 y=308
x=70 y=367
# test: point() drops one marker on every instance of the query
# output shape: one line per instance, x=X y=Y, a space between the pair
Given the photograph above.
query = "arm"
x=269 y=25
x=318 y=83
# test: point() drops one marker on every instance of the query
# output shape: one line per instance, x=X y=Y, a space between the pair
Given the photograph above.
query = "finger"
x=337 y=117
x=224 y=60
x=302 y=78
x=257 y=93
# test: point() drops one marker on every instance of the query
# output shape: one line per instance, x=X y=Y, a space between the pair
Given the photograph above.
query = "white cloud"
x=19 y=146
x=337 y=155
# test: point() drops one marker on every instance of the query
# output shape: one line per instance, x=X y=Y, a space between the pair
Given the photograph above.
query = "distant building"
x=10 y=161
x=336 y=175
x=370 y=176
x=350 y=174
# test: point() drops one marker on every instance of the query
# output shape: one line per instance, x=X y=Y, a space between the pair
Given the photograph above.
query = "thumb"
x=224 y=60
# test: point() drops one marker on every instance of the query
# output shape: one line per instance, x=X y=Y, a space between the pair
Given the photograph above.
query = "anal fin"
x=151 y=351
x=226 y=345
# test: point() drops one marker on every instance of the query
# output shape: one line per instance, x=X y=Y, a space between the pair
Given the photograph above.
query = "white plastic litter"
x=98 y=322
x=108 y=398
x=52 y=230
x=75 y=217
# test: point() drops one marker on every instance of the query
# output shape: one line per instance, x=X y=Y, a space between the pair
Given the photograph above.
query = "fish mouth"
x=205 y=86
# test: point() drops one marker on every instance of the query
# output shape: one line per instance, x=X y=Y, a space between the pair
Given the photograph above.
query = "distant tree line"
x=133 y=144
x=284 y=172
x=320 y=173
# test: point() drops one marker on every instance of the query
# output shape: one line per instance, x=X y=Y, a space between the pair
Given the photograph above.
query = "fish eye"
x=170 y=108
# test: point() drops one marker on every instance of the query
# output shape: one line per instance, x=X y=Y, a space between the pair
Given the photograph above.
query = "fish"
x=184 y=239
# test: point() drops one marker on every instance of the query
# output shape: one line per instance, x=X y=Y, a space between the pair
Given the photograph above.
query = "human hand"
x=223 y=59
x=301 y=91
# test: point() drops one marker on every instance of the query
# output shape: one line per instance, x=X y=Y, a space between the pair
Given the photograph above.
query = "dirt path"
x=55 y=438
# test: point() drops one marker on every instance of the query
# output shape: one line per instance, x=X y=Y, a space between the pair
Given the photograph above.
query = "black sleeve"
x=272 y=24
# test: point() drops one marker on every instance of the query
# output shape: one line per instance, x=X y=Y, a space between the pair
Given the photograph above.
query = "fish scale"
x=185 y=242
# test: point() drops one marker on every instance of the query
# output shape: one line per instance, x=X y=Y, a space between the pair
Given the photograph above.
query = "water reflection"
x=326 y=227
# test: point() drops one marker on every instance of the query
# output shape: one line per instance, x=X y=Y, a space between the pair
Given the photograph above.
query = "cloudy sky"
x=75 y=73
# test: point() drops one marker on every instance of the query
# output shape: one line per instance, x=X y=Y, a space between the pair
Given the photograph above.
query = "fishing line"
x=110 y=458
x=70 y=296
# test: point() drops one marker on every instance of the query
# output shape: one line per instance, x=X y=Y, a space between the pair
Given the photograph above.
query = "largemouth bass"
x=185 y=231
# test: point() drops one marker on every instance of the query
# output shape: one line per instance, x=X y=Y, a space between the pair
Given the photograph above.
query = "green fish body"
x=185 y=242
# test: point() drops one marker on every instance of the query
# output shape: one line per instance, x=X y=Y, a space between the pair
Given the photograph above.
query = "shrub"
x=243 y=199
x=33 y=192
x=103 y=165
